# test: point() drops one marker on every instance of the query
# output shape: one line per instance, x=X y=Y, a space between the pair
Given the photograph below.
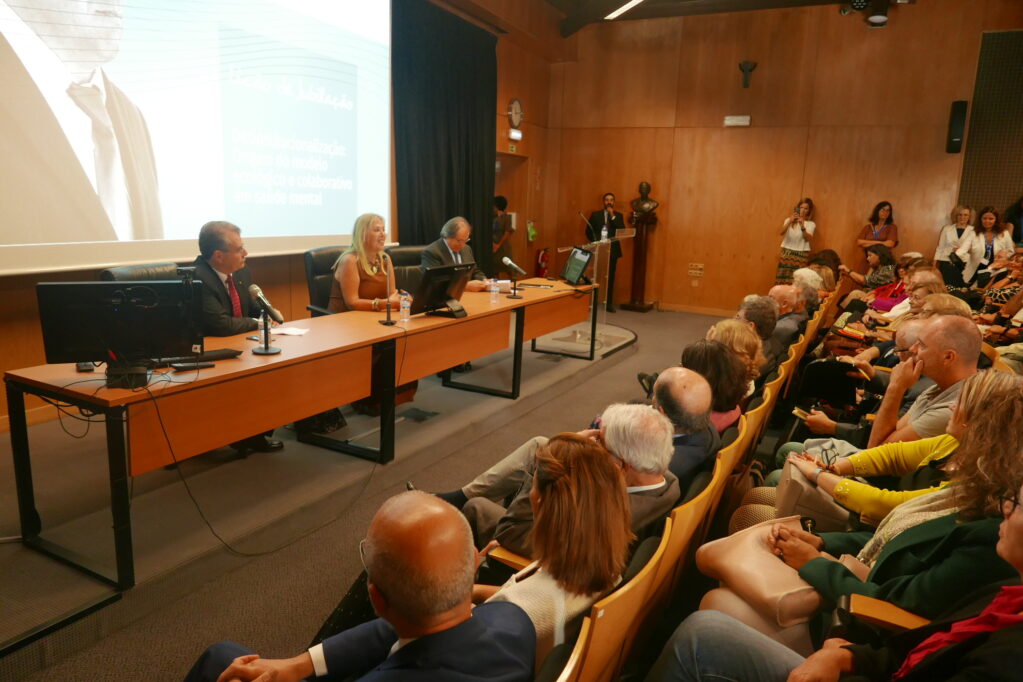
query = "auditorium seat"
x=407 y=272
x=139 y=273
x=318 y=276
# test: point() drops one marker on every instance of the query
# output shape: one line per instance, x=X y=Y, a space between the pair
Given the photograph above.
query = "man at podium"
x=611 y=218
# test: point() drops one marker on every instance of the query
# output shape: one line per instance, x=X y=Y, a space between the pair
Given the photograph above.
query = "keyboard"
x=208 y=356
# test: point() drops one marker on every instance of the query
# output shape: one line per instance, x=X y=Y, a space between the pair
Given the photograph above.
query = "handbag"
x=743 y=562
x=796 y=495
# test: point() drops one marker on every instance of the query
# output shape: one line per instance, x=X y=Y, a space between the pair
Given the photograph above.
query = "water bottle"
x=495 y=292
x=405 y=307
x=603 y=234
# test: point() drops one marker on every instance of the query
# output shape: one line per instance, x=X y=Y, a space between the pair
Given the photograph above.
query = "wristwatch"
x=817 y=474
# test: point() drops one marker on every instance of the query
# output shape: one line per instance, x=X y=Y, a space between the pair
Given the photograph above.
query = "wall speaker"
x=956 y=127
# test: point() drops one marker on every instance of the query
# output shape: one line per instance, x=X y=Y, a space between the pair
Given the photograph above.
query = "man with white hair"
x=638 y=435
x=791 y=316
x=420 y=564
x=453 y=248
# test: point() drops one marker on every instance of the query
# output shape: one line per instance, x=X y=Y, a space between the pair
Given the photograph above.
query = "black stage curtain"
x=444 y=75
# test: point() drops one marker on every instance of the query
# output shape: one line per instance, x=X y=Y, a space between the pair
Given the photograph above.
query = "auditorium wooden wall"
x=844 y=114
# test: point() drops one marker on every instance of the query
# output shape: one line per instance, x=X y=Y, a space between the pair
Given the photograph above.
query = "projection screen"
x=127 y=125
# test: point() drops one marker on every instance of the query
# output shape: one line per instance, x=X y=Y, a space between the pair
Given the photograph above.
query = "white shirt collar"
x=644 y=488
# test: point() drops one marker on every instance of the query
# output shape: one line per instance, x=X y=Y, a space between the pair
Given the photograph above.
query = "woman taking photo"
x=361 y=279
x=948 y=241
x=795 y=247
x=580 y=537
x=880 y=229
x=978 y=246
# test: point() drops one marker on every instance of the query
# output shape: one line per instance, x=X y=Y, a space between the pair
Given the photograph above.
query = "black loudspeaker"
x=956 y=127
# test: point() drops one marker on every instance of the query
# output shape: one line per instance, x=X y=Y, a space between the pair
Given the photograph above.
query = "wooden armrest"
x=884 y=614
x=509 y=558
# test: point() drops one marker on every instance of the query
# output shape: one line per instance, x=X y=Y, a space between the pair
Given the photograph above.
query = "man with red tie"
x=227 y=308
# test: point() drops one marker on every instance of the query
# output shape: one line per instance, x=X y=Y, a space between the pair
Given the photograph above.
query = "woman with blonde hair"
x=744 y=342
x=580 y=538
x=948 y=241
x=361 y=280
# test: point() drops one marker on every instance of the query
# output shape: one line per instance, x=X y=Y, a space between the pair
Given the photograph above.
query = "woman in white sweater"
x=979 y=245
x=581 y=535
x=948 y=241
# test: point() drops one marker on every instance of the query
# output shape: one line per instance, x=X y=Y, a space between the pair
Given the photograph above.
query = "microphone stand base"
x=388 y=323
x=513 y=296
x=266 y=350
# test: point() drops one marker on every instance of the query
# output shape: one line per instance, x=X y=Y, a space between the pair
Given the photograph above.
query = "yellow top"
x=892 y=459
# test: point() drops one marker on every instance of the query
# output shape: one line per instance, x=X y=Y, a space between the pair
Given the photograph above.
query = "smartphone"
x=801 y=413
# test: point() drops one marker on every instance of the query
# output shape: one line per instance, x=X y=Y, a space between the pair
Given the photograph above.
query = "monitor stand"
x=455 y=310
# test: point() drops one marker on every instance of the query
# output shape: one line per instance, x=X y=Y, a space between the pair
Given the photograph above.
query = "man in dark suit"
x=58 y=183
x=594 y=226
x=227 y=308
x=453 y=248
x=420 y=564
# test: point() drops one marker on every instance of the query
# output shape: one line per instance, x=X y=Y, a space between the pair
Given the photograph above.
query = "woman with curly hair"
x=797 y=231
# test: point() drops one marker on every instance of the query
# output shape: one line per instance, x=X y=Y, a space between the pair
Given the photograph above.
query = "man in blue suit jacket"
x=452 y=248
x=420 y=562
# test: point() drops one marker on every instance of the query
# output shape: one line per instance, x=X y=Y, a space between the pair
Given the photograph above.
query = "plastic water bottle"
x=495 y=292
x=603 y=234
x=405 y=307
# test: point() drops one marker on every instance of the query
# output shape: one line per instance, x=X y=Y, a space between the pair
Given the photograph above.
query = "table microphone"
x=511 y=264
x=257 y=294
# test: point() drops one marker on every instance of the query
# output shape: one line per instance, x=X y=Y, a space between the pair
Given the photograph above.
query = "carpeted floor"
x=275 y=603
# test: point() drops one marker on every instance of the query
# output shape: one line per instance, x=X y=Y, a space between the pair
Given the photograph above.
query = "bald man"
x=791 y=318
x=421 y=563
x=640 y=436
x=946 y=351
x=685 y=398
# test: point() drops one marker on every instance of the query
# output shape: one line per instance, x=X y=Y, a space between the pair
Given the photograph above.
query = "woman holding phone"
x=797 y=231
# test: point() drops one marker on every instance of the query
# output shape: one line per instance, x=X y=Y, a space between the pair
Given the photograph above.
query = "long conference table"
x=342 y=358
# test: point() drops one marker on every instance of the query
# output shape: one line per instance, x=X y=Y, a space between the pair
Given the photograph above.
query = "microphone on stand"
x=510 y=264
x=257 y=294
x=387 y=321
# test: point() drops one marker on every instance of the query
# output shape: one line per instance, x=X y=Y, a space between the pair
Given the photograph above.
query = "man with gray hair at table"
x=639 y=435
x=452 y=249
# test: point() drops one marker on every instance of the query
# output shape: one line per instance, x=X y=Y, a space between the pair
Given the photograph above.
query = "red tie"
x=236 y=301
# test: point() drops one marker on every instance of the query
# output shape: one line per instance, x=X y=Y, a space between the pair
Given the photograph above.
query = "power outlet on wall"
x=696 y=269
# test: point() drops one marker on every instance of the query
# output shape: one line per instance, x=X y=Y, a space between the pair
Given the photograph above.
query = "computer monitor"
x=576 y=264
x=124 y=324
x=440 y=290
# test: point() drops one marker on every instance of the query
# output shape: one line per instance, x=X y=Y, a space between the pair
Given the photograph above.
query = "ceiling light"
x=622 y=10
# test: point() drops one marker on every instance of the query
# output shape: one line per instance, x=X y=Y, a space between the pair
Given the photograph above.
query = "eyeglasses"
x=1012 y=500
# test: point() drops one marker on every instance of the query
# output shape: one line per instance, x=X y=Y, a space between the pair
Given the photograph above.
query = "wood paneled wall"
x=841 y=113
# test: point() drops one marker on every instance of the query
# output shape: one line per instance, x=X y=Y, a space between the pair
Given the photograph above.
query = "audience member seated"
x=918 y=275
x=946 y=352
x=825 y=263
x=725 y=373
x=420 y=560
x=880 y=270
x=915 y=302
x=808 y=295
x=637 y=434
x=685 y=398
x=580 y=539
x=977 y=639
x=761 y=314
x=227 y=307
x=745 y=343
x=452 y=248
x=886 y=296
x=929 y=551
x=791 y=320
x=922 y=466
x=1002 y=287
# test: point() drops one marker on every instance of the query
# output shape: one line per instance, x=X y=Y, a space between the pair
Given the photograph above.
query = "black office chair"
x=140 y=273
x=407 y=271
x=319 y=276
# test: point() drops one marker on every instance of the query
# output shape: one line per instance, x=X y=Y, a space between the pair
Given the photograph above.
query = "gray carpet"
x=275 y=603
